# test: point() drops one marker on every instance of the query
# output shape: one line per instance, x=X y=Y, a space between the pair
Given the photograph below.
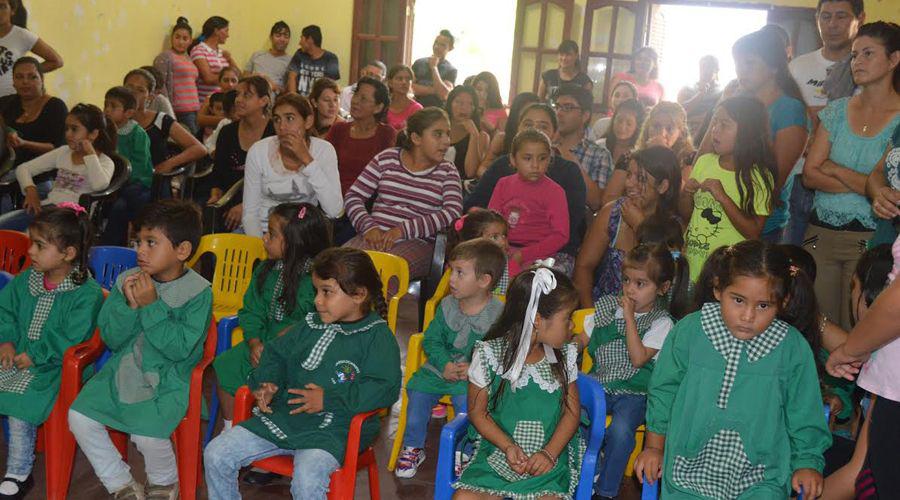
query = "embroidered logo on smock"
x=345 y=371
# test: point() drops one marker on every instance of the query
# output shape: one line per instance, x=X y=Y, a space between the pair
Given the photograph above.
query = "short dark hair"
x=382 y=95
x=228 y=101
x=218 y=97
x=179 y=220
x=123 y=95
x=314 y=32
x=280 y=26
x=446 y=33
x=857 y=5
x=487 y=256
x=583 y=96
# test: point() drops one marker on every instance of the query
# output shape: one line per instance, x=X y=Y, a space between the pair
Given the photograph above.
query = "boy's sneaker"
x=439 y=411
x=133 y=491
x=14 y=489
x=157 y=492
x=408 y=462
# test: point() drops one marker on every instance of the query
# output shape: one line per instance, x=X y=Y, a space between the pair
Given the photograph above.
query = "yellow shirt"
x=709 y=227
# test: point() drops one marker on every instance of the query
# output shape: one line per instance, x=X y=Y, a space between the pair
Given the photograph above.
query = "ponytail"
x=801 y=311
x=68 y=225
x=420 y=121
x=680 y=303
x=209 y=27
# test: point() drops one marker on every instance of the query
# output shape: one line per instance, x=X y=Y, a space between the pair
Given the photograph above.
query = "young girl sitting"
x=627 y=334
x=534 y=206
x=310 y=382
x=43 y=311
x=523 y=401
x=729 y=193
x=652 y=186
x=83 y=165
x=738 y=389
x=488 y=224
x=280 y=293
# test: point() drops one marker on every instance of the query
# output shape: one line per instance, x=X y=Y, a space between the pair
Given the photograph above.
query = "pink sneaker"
x=439 y=411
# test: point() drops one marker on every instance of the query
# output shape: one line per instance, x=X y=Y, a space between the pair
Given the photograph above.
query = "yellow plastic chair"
x=587 y=363
x=415 y=358
x=391 y=266
x=235 y=255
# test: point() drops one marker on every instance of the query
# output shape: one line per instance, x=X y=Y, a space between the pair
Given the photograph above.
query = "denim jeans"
x=20 y=457
x=188 y=120
x=17 y=220
x=43 y=188
x=801 y=203
x=229 y=451
x=132 y=199
x=114 y=473
x=627 y=412
x=418 y=413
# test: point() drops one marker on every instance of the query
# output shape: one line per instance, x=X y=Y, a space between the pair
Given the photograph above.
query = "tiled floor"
x=85 y=485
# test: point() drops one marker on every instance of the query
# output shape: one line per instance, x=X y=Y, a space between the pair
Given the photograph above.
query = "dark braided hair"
x=64 y=227
x=353 y=270
x=304 y=238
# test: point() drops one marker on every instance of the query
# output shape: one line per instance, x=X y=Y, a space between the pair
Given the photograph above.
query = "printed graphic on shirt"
x=6 y=60
x=698 y=235
x=344 y=371
x=307 y=75
x=69 y=181
x=892 y=168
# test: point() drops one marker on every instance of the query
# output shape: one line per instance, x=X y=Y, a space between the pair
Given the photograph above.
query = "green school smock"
x=134 y=145
x=609 y=350
x=356 y=364
x=451 y=336
x=42 y=323
x=144 y=387
x=737 y=425
x=263 y=317
x=528 y=411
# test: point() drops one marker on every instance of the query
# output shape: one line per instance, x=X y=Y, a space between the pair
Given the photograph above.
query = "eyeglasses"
x=568 y=108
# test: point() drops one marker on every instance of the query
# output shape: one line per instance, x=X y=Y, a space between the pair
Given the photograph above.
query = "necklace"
x=865 y=128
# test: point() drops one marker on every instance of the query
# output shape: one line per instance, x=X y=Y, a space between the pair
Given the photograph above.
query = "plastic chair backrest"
x=5 y=278
x=578 y=318
x=14 y=251
x=441 y=291
x=390 y=266
x=107 y=262
x=235 y=256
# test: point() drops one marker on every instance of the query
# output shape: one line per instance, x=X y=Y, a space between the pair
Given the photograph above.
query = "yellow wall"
x=100 y=40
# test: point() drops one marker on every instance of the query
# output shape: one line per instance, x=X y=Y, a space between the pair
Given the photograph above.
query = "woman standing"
x=643 y=74
x=467 y=141
x=569 y=71
x=851 y=139
x=399 y=81
x=18 y=41
x=207 y=54
x=180 y=76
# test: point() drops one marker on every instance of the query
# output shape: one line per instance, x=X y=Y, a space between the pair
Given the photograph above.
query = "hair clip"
x=793 y=270
x=458 y=225
x=78 y=209
x=301 y=214
x=675 y=254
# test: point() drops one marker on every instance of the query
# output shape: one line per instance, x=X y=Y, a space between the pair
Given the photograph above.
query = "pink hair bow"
x=458 y=225
x=75 y=207
x=301 y=214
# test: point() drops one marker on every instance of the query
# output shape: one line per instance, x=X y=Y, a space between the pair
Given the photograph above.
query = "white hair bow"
x=543 y=283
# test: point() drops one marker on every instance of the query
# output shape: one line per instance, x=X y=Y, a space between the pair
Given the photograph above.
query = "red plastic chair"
x=14 y=251
x=343 y=480
x=186 y=436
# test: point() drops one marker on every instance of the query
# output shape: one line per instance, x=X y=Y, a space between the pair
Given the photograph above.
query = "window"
x=382 y=29
x=541 y=25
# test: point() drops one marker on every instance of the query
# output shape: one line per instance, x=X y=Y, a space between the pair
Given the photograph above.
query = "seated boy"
x=155 y=322
x=462 y=318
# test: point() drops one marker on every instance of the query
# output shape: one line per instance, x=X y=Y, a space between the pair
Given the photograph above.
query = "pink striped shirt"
x=216 y=63
x=421 y=203
x=185 y=98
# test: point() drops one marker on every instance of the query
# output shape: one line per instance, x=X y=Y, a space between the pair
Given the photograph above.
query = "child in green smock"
x=340 y=361
x=46 y=309
x=523 y=398
x=734 y=408
x=280 y=293
x=155 y=323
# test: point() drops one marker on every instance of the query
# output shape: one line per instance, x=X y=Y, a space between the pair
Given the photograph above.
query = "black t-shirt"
x=228 y=167
x=552 y=82
x=158 y=132
x=50 y=125
x=309 y=70
x=423 y=77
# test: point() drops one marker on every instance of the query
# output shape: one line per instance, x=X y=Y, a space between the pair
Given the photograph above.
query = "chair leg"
x=187 y=453
x=374 y=486
x=401 y=430
x=59 y=458
x=213 y=416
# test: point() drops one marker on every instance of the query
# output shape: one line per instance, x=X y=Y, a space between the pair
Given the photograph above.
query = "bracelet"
x=548 y=455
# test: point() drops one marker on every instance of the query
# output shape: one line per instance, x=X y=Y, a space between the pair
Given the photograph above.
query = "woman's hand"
x=841 y=364
x=264 y=395
x=32 y=203
x=233 y=216
x=516 y=458
x=809 y=480
x=390 y=237
x=256 y=350
x=885 y=203
x=296 y=147
x=164 y=167
x=373 y=238
x=14 y=140
x=214 y=195
x=648 y=465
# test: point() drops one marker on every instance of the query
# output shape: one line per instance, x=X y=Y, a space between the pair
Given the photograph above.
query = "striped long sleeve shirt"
x=421 y=203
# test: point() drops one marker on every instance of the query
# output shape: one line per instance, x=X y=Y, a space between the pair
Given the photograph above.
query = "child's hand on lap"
x=539 y=463
x=311 y=399
x=256 y=350
x=808 y=479
x=516 y=458
x=450 y=372
x=263 y=396
x=7 y=355
x=23 y=361
x=143 y=291
x=648 y=465
x=462 y=371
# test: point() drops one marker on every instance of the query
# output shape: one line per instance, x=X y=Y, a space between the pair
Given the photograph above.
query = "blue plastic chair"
x=223 y=343
x=107 y=263
x=592 y=401
x=651 y=491
x=5 y=278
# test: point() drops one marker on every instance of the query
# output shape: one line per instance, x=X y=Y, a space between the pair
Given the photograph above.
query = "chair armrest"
x=114 y=186
x=225 y=329
x=445 y=475
x=203 y=172
x=243 y=404
x=75 y=360
x=229 y=195
x=650 y=491
x=195 y=394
